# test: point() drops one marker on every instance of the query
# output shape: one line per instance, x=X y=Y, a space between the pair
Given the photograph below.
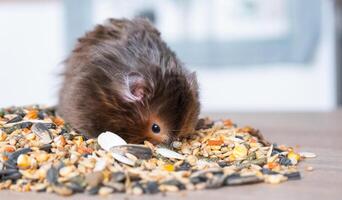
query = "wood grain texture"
x=320 y=133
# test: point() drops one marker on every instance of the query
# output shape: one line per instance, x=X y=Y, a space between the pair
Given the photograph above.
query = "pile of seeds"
x=39 y=152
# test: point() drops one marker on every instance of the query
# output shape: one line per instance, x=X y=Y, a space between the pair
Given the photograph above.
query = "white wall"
x=31 y=47
x=284 y=87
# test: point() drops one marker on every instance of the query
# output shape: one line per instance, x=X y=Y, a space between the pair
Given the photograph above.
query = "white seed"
x=169 y=154
x=176 y=144
x=307 y=155
x=123 y=159
x=105 y=191
x=108 y=139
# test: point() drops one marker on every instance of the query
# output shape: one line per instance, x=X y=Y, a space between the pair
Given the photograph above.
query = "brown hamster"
x=122 y=77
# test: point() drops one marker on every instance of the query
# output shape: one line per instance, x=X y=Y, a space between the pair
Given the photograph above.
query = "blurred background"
x=250 y=55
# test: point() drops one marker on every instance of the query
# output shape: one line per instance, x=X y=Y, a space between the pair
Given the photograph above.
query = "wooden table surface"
x=320 y=133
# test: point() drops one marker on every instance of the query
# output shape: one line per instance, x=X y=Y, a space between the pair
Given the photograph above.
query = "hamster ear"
x=135 y=87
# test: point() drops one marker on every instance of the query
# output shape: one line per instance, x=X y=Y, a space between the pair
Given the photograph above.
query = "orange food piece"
x=58 y=121
x=32 y=114
x=84 y=150
x=9 y=149
x=4 y=158
x=215 y=142
x=228 y=123
x=272 y=165
x=3 y=136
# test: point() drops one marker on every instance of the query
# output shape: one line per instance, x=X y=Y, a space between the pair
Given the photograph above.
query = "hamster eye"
x=155 y=128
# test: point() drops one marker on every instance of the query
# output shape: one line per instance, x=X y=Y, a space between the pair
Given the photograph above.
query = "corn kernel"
x=294 y=157
x=24 y=161
x=169 y=168
x=232 y=157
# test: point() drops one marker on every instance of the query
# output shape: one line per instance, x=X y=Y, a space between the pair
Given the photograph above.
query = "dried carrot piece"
x=32 y=114
x=272 y=165
x=9 y=149
x=58 y=121
x=215 y=142
x=84 y=150
x=228 y=123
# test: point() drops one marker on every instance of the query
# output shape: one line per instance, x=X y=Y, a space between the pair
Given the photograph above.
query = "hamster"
x=122 y=77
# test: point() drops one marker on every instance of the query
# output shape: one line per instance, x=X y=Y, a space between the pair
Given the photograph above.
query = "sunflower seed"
x=152 y=187
x=140 y=151
x=215 y=182
x=52 y=175
x=15 y=119
x=12 y=176
x=293 y=176
x=42 y=132
x=237 y=179
x=123 y=159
